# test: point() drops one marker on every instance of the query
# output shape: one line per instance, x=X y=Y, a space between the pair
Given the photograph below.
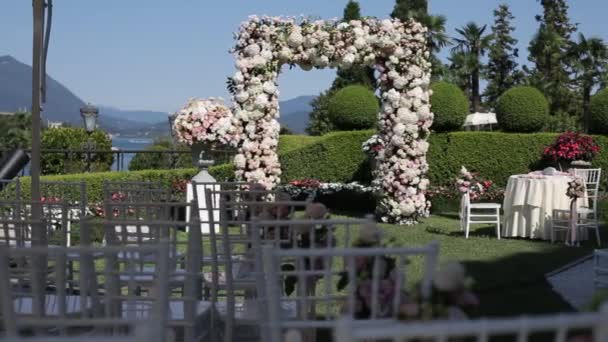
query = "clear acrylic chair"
x=37 y=300
x=587 y=215
x=319 y=304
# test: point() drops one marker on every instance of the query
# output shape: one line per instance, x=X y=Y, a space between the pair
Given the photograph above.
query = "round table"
x=529 y=203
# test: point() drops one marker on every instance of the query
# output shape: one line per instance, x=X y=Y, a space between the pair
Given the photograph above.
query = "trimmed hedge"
x=522 y=109
x=334 y=157
x=352 y=108
x=599 y=112
x=450 y=106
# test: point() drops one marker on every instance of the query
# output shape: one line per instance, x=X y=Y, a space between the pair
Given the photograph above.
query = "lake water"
x=123 y=143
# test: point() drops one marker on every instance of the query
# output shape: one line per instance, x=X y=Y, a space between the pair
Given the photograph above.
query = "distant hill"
x=295 y=112
x=63 y=105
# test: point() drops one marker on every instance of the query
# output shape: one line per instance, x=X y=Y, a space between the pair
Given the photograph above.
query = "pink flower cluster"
x=208 y=121
x=572 y=146
x=476 y=187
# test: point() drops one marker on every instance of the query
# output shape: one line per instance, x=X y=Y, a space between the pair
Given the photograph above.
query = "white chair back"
x=35 y=295
x=318 y=302
x=592 y=178
x=556 y=328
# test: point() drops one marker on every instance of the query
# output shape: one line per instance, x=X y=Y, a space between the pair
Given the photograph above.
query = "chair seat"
x=24 y=305
x=485 y=206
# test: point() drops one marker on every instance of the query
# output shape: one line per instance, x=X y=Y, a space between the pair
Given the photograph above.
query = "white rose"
x=240 y=161
x=241 y=96
x=360 y=43
x=406 y=116
x=266 y=54
x=358 y=31
x=399 y=129
x=252 y=50
x=295 y=39
x=269 y=88
x=348 y=59
x=261 y=101
x=399 y=82
x=407 y=209
x=238 y=77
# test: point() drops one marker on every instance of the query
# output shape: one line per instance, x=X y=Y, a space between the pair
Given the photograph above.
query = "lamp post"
x=89 y=115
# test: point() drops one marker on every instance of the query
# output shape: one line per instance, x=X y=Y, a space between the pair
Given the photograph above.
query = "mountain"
x=294 y=113
x=143 y=116
x=63 y=105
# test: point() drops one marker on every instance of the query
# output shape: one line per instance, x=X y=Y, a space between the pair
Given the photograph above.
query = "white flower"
x=240 y=161
x=348 y=59
x=261 y=101
x=400 y=82
x=269 y=88
x=238 y=77
x=241 y=96
x=295 y=39
x=252 y=50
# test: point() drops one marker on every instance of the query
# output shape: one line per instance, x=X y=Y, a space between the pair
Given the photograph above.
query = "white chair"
x=478 y=213
x=556 y=328
x=318 y=303
x=587 y=214
x=35 y=296
x=600 y=268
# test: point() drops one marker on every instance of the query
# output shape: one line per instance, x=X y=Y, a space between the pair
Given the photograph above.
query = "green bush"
x=353 y=108
x=71 y=138
x=450 y=106
x=599 y=112
x=160 y=161
x=335 y=157
x=562 y=122
x=522 y=109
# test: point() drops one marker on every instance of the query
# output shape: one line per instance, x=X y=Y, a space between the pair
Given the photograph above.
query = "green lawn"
x=509 y=273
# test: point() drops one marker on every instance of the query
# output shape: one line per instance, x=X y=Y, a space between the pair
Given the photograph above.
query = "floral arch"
x=397 y=50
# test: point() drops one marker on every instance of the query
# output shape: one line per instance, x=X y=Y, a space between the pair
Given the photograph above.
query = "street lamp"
x=89 y=115
x=171 y=121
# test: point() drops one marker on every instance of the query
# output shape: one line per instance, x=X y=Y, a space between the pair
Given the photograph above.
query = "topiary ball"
x=599 y=112
x=449 y=105
x=353 y=108
x=522 y=109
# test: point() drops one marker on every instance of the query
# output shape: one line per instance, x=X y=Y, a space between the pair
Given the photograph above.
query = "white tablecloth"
x=529 y=204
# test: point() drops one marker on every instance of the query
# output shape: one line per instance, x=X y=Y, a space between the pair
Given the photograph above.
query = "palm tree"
x=590 y=64
x=472 y=44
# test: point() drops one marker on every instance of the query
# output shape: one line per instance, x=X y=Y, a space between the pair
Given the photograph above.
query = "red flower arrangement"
x=306 y=183
x=571 y=146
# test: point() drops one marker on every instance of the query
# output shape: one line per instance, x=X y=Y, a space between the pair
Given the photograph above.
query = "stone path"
x=574 y=282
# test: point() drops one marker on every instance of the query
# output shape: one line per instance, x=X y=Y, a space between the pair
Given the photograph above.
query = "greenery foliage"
x=522 y=109
x=599 y=112
x=148 y=161
x=562 y=122
x=319 y=123
x=71 y=138
x=352 y=108
x=16 y=131
x=450 y=106
x=502 y=73
x=549 y=54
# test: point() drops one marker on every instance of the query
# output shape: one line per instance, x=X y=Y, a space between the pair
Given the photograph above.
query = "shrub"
x=599 y=112
x=562 y=122
x=450 y=106
x=353 y=108
x=522 y=109
x=159 y=161
x=71 y=138
x=335 y=157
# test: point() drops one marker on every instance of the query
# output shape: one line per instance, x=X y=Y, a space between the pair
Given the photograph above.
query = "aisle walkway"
x=574 y=282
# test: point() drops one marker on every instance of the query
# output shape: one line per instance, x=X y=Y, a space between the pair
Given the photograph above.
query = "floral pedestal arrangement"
x=571 y=149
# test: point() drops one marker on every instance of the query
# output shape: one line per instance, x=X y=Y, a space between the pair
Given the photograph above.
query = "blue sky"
x=155 y=54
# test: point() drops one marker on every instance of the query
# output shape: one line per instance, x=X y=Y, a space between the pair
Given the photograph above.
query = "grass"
x=509 y=274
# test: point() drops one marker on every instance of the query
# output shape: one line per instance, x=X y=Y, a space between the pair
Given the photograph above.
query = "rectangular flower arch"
x=397 y=50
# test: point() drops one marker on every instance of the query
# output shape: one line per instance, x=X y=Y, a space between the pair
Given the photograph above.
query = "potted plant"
x=571 y=149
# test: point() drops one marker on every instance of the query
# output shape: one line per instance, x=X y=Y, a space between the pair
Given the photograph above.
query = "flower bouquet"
x=478 y=188
x=576 y=189
x=206 y=121
x=571 y=147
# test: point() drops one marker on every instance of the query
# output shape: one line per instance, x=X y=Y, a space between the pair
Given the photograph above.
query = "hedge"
x=522 y=109
x=450 y=106
x=337 y=157
x=599 y=112
x=352 y=108
x=334 y=157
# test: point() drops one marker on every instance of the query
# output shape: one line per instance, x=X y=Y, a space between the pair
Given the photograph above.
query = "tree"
x=549 y=54
x=437 y=38
x=471 y=46
x=363 y=75
x=502 y=73
x=589 y=63
x=352 y=11
x=319 y=122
